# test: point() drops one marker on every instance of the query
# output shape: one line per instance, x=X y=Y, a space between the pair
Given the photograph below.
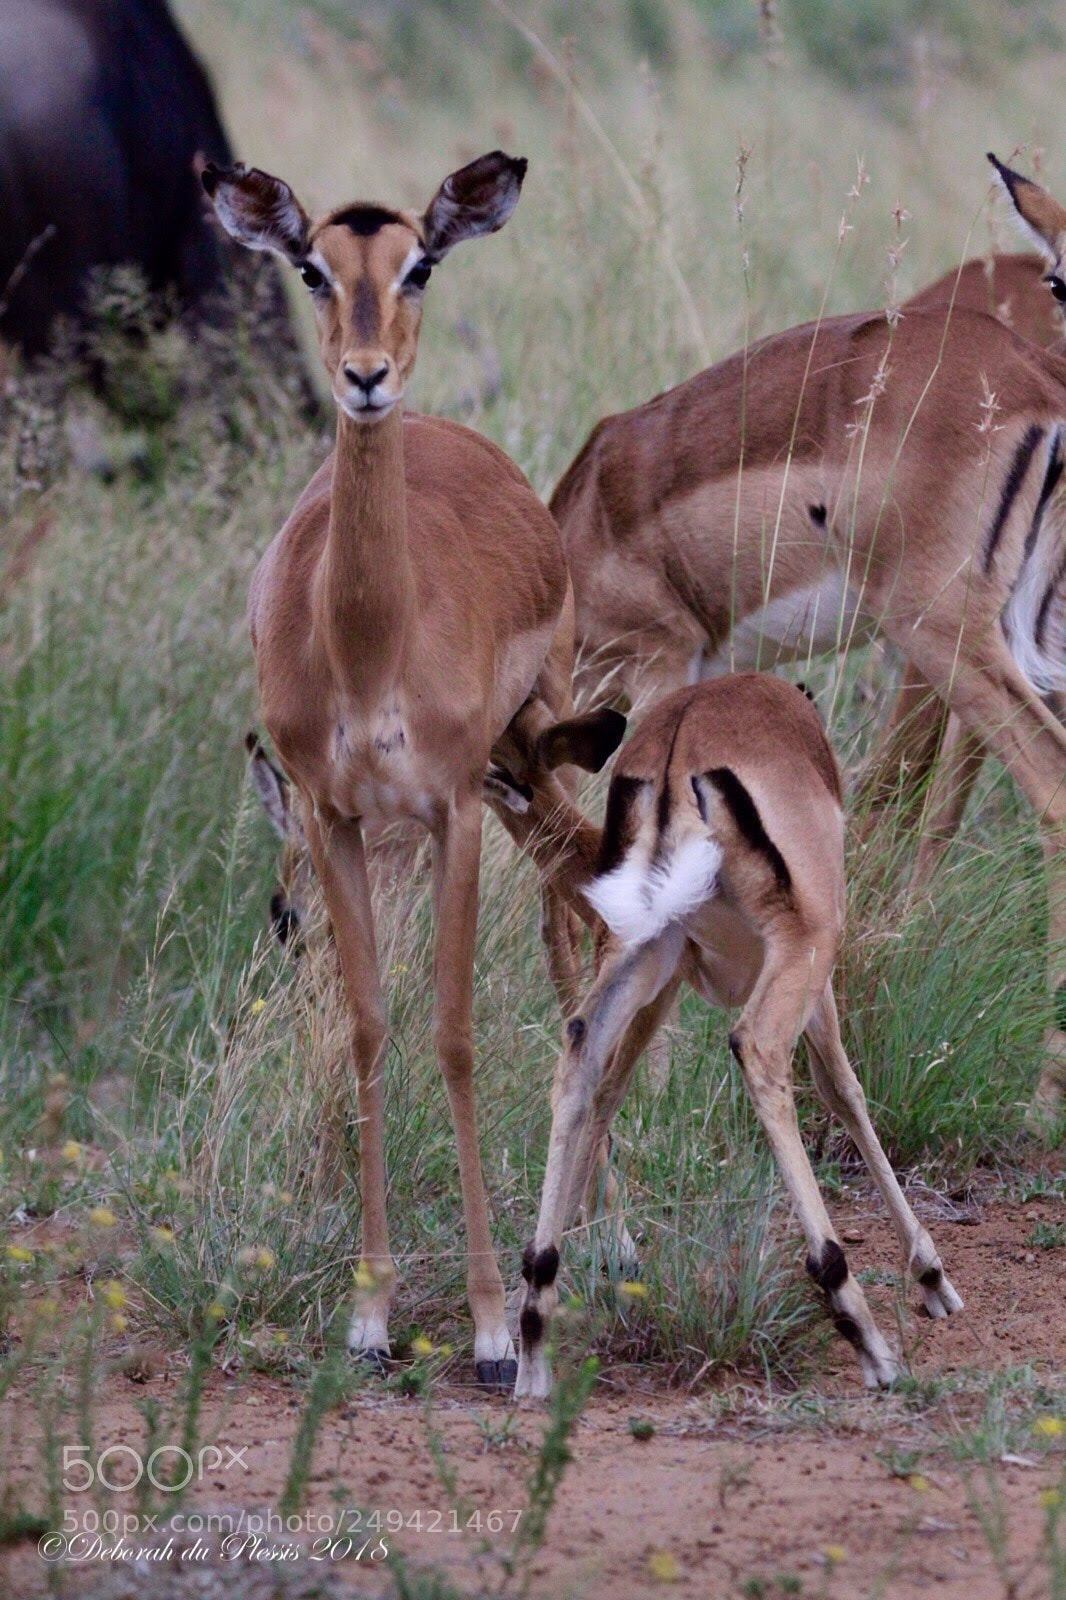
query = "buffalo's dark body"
x=103 y=108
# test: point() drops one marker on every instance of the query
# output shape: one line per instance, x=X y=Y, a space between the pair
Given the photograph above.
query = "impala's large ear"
x=1043 y=220
x=477 y=199
x=588 y=741
x=258 y=211
x=271 y=786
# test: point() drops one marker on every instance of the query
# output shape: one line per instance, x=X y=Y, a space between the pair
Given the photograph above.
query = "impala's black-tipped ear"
x=588 y=741
x=475 y=200
x=271 y=785
x=259 y=211
x=1042 y=219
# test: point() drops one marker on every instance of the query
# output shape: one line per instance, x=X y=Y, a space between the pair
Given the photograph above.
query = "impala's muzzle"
x=367 y=386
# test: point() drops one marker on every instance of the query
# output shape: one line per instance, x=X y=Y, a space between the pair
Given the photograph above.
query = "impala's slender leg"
x=995 y=702
x=628 y=980
x=613 y=1089
x=841 y=1093
x=763 y=1041
x=555 y=832
x=340 y=861
x=559 y=937
x=962 y=755
x=907 y=751
x=456 y=861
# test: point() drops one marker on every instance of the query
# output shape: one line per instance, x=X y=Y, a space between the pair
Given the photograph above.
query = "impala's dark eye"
x=311 y=276
x=418 y=276
x=1058 y=288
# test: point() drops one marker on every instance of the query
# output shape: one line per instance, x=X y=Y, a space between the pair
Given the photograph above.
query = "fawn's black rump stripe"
x=745 y=814
x=618 y=829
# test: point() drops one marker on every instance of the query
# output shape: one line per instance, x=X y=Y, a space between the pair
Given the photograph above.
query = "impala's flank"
x=412 y=607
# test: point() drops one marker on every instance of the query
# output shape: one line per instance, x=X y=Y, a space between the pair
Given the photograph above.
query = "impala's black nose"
x=366 y=382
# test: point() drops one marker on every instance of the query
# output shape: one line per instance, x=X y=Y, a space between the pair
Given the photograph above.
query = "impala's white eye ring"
x=418 y=276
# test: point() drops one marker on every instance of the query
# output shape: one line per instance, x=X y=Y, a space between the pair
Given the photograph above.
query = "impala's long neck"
x=364 y=597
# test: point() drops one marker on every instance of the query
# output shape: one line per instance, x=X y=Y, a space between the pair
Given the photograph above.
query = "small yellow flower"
x=257 y=1006
x=444 y=1349
x=633 y=1291
x=364 y=1278
x=422 y=1346
x=663 y=1567
x=1050 y=1498
x=47 y=1308
x=285 y=1197
x=399 y=969
x=162 y=1235
x=918 y=1482
x=835 y=1554
x=281 y=1337
x=102 y=1217
x=216 y=1311
x=118 y=1322
x=18 y=1252
x=114 y=1295
x=72 y=1150
x=1050 y=1427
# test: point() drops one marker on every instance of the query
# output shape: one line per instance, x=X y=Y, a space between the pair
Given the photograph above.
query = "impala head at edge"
x=366 y=265
x=1043 y=221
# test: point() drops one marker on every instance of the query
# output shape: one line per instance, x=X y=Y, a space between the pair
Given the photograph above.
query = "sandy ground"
x=734 y=1486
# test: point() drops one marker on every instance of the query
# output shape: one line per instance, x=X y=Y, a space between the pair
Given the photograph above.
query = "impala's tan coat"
x=900 y=480
x=1009 y=287
x=724 y=810
x=411 y=616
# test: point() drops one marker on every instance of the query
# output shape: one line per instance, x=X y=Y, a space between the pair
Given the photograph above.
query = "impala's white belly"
x=809 y=622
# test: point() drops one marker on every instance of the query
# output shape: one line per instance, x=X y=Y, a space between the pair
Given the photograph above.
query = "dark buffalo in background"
x=104 y=109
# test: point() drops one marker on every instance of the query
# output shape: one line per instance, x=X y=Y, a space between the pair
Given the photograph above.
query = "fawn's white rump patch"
x=637 y=900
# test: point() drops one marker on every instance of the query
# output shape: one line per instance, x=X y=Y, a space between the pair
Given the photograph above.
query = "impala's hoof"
x=880 y=1369
x=496 y=1377
x=940 y=1300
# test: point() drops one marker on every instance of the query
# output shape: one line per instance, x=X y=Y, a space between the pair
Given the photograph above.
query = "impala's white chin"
x=367 y=409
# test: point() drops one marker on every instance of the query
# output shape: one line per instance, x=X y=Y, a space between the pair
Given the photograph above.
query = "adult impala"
x=895 y=480
x=411 y=615
x=721 y=863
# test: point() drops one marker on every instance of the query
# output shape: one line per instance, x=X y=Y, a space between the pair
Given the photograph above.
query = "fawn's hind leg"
x=842 y=1094
x=763 y=1041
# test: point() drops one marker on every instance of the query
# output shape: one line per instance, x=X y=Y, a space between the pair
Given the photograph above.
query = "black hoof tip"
x=496 y=1376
